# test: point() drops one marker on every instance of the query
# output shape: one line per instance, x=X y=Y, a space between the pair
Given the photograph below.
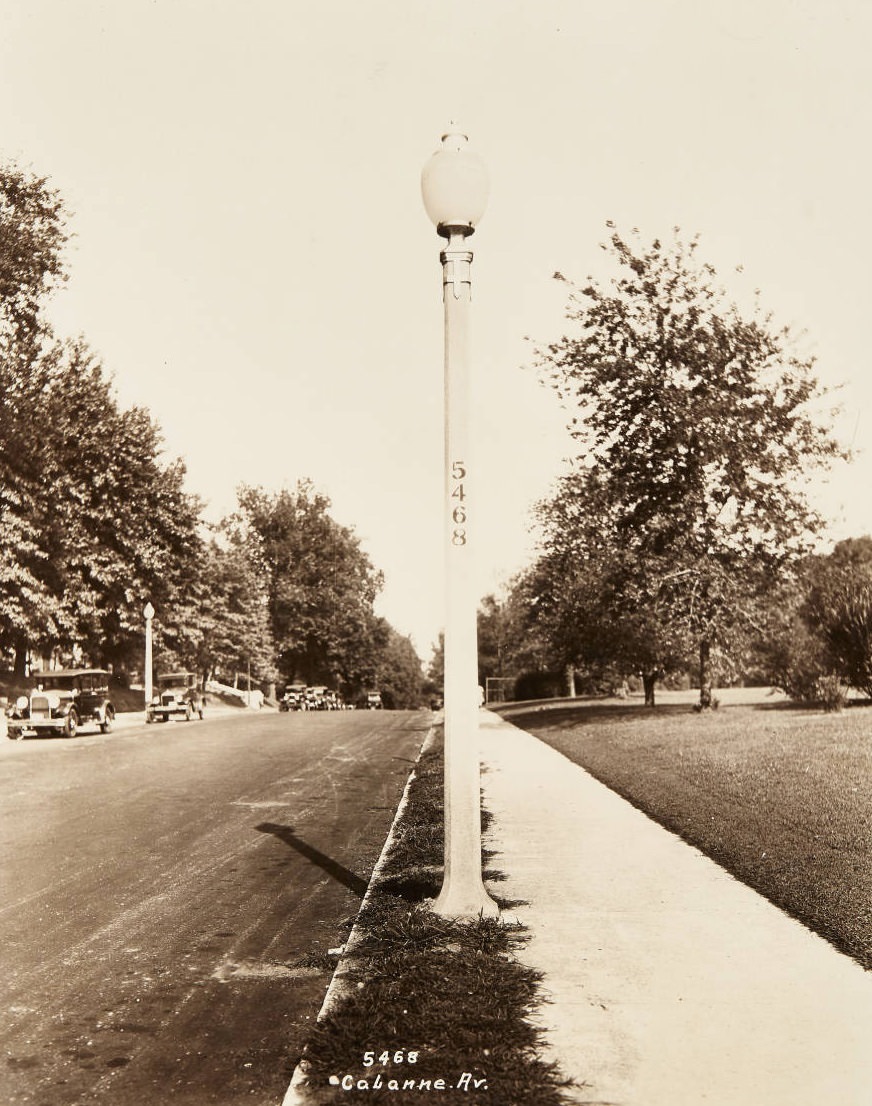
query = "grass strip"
x=430 y=1007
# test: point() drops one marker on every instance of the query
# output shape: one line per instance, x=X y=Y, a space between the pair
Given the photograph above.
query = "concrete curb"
x=340 y=985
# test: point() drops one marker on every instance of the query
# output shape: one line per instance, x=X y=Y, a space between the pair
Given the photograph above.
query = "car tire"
x=71 y=724
x=108 y=719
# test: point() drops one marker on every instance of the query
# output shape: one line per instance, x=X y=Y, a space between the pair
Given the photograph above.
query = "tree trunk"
x=570 y=681
x=649 y=679
x=705 y=675
x=20 y=665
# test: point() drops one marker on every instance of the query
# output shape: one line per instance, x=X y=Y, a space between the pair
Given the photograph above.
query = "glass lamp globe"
x=454 y=185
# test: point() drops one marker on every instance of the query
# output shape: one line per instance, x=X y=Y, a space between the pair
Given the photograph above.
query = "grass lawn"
x=779 y=796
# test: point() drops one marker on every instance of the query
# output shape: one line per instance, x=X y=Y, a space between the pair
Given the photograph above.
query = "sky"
x=252 y=261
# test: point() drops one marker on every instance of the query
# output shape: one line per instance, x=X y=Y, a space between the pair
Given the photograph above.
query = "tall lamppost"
x=455 y=186
x=148 y=615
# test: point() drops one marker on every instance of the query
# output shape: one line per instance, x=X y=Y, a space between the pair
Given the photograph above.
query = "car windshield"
x=58 y=683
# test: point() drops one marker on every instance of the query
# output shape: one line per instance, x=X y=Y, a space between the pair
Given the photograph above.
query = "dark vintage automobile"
x=293 y=698
x=176 y=696
x=61 y=701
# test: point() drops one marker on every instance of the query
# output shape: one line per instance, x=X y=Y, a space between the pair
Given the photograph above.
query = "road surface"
x=170 y=894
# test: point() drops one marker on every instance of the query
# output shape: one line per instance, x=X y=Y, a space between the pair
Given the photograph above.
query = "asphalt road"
x=170 y=894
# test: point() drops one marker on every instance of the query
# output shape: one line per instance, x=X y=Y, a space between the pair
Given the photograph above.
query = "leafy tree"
x=837 y=610
x=398 y=675
x=102 y=523
x=129 y=531
x=92 y=522
x=320 y=586
x=511 y=638
x=32 y=238
x=436 y=665
x=844 y=616
x=697 y=427
x=793 y=653
x=228 y=627
x=492 y=639
x=818 y=626
x=598 y=613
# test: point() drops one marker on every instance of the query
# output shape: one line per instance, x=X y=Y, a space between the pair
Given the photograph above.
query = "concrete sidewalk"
x=671 y=983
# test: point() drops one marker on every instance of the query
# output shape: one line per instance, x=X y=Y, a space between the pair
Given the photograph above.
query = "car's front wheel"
x=71 y=724
x=108 y=719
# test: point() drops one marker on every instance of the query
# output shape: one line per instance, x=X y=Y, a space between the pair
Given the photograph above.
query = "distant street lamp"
x=454 y=186
x=148 y=614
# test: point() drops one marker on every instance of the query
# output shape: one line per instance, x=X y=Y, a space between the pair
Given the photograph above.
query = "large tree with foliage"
x=596 y=613
x=220 y=624
x=320 y=584
x=105 y=523
x=93 y=521
x=698 y=427
x=398 y=673
x=817 y=633
x=32 y=239
x=512 y=643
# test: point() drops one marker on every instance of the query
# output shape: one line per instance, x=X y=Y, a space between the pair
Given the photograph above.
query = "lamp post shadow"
x=328 y=864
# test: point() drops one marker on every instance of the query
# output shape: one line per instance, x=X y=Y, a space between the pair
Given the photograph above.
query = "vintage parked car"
x=373 y=700
x=293 y=698
x=176 y=696
x=60 y=701
x=317 y=697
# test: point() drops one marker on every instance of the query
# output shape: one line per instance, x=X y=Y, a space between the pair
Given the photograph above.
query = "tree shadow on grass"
x=328 y=864
x=592 y=714
x=608 y=713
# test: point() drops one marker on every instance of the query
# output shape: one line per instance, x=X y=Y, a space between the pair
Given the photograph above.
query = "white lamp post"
x=148 y=615
x=454 y=186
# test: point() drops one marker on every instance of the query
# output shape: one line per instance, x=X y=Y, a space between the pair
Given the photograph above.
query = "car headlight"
x=155 y=700
x=21 y=702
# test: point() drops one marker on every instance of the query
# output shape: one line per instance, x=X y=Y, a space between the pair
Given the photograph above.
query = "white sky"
x=253 y=263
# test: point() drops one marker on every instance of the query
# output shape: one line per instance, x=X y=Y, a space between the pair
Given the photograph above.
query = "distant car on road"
x=61 y=701
x=373 y=701
x=293 y=698
x=316 y=696
x=310 y=697
x=177 y=696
